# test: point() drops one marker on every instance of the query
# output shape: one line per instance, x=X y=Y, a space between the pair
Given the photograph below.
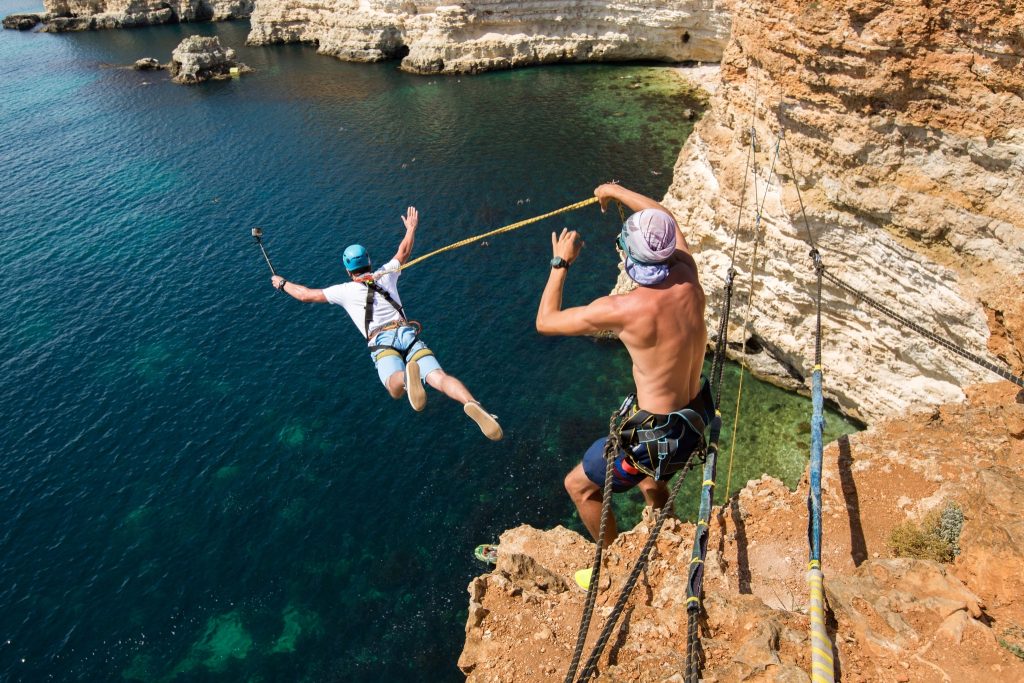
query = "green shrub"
x=937 y=537
x=1013 y=640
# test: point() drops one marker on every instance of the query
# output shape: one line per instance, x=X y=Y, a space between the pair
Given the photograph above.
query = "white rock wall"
x=78 y=15
x=487 y=34
x=905 y=126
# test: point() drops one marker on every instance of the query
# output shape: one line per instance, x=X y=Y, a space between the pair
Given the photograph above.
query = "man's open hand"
x=411 y=218
x=567 y=245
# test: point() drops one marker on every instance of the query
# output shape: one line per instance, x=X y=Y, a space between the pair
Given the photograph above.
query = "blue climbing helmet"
x=355 y=257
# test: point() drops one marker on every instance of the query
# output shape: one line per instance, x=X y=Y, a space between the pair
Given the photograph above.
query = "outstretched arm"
x=601 y=314
x=411 y=219
x=304 y=294
x=636 y=202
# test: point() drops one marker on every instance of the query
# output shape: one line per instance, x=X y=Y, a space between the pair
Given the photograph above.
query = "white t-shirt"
x=352 y=297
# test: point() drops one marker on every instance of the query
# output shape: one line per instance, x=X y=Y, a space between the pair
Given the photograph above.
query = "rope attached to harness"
x=497 y=231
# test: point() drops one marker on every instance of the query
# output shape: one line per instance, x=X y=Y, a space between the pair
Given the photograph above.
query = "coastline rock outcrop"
x=198 y=59
x=892 y=618
x=904 y=125
x=147 y=64
x=480 y=35
x=21 y=22
x=86 y=15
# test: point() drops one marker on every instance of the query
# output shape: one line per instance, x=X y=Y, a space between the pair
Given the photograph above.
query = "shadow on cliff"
x=858 y=544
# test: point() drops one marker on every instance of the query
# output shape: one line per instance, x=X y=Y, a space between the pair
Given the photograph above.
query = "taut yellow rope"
x=498 y=231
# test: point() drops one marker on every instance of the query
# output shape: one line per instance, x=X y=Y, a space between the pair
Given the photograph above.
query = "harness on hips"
x=661 y=434
x=372 y=289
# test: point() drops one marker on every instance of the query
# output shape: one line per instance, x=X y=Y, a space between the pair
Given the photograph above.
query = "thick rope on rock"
x=611 y=448
x=641 y=562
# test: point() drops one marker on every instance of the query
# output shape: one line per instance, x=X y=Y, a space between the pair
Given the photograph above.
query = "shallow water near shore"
x=203 y=479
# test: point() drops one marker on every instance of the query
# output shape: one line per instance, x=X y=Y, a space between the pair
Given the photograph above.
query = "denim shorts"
x=400 y=340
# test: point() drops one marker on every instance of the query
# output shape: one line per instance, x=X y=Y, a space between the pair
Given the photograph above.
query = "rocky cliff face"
x=479 y=35
x=82 y=15
x=893 y=619
x=905 y=122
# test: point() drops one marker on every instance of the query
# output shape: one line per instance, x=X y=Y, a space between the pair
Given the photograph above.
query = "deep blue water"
x=202 y=479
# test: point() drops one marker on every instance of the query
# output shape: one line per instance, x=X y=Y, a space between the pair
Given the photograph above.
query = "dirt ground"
x=891 y=618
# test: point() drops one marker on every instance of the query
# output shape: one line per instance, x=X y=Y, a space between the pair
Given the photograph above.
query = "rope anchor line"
x=499 y=231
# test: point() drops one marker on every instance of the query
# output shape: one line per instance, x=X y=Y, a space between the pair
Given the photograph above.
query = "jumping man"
x=400 y=356
x=661 y=323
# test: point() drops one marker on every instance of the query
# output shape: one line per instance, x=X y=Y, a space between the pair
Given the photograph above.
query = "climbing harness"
x=372 y=290
x=661 y=434
x=384 y=350
x=627 y=427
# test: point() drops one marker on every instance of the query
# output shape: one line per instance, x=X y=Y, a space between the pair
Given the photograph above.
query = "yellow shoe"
x=582 y=578
x=414 y=387
x=487 y=423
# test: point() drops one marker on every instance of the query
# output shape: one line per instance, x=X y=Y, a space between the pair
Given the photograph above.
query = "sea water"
x=203 y=479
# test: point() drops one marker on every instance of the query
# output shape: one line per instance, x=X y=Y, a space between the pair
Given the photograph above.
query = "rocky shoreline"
x=892 y=619
x=62 y=16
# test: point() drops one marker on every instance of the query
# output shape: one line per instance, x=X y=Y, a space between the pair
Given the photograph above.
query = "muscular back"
x=663 y=329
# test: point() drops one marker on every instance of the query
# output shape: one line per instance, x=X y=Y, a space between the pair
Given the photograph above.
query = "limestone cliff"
x=479 y=35
x=83 y=15
x=892 y=619
x=905 y=121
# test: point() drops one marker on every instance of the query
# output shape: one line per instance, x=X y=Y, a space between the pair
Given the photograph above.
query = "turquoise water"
x=201 y=479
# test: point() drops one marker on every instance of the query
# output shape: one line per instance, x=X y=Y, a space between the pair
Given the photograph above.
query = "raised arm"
x=600 y=314
x=637 y=202
x=411 y=219
x=306 y=295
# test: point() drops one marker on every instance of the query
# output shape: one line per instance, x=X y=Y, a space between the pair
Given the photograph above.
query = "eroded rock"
x=482 y=35
x=87 y=15
x=147 y=64
x=892 y=619
x=199 y=58
x=903 y=121
x=21 y=22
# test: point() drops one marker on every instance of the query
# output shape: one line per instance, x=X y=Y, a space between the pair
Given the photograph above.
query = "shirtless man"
x=661 y=323
x=403 y=361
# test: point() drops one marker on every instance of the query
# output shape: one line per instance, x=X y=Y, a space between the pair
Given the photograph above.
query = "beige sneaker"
x=484 y=420
x=414 y=387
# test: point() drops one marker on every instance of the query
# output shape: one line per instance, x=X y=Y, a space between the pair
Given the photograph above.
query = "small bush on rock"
x=937 y=537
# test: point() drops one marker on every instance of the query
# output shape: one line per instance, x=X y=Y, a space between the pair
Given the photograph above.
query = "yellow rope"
x=498 y=231
x=746 y=319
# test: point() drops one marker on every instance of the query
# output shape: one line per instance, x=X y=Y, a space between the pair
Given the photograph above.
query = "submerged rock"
x=148 y=64
x=21 y=22
x=198 y=59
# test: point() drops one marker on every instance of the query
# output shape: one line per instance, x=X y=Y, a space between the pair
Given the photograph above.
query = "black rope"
x=945 y=343
x=927 y=334
x=718 y=360
x=611 y=448
x=819 y=270
x=694 y=650
x=627 y=589
x=796 y=184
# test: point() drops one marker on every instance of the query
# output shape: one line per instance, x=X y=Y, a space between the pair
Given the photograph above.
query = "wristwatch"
x=559 y=262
